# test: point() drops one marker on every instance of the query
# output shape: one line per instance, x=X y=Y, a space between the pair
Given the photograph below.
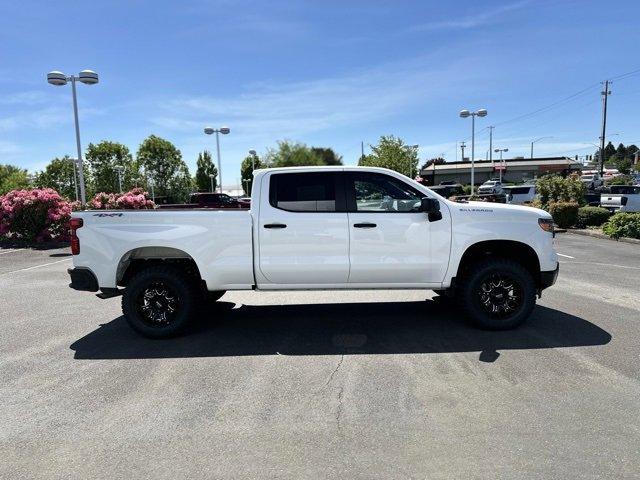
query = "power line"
x=625 y=75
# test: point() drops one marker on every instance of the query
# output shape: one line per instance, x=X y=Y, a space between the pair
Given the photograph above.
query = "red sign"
x=501 y=167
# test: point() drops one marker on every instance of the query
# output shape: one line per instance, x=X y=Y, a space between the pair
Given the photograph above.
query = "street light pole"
x=218 y=131
x=536 y=140
x=211 y=175
x=501 y=163
x=88 y=77
x=464 y=114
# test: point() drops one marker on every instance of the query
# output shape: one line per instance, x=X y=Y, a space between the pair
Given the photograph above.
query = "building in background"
x=514 y=170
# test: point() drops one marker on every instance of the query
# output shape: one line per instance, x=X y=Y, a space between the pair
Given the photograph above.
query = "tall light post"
x=501 y=150
x=88 y=77
x=211 y=177
x=462 y=145
x=464 y=114
x=218 y=131
x=535 y=141
x=119 y=169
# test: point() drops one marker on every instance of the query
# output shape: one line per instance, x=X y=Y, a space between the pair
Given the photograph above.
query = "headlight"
x=546 y=224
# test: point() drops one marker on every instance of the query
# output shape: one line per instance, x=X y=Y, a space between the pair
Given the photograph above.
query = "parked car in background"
x=211 y=200
x=520 y=194
x=592 y=180
x=623 y=198
x=490 y=186
x=448 y=190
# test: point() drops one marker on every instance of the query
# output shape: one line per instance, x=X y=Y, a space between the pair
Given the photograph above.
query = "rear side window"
x=304 y=192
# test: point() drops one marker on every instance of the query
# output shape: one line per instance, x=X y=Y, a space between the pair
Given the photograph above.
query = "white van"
x=520 y=194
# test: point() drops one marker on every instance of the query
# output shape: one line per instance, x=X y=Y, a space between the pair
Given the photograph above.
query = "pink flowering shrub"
x=135 y=199
x=34 y=215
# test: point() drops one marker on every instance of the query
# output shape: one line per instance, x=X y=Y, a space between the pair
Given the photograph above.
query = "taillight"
x=75 y=224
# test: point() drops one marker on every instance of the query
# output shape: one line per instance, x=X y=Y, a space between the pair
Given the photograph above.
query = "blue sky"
x=331 y=73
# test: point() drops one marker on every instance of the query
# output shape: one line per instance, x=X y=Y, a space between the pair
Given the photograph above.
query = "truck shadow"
x=339 y=329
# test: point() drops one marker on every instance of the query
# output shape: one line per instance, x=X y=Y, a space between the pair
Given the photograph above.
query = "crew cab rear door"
x=302 y=229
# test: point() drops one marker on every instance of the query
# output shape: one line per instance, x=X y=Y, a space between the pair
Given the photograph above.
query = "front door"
x=303 y=231
x=391 y=241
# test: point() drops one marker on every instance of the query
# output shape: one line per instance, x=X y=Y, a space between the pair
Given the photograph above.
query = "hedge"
x=623 y=224
x=565 y=214
x=592 y=217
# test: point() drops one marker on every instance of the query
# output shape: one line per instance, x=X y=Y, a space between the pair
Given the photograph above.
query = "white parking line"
x=36 y=266
x=602 y=264
x=11 y=251
x=563 y=255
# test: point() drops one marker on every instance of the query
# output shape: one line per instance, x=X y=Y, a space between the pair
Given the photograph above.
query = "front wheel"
x=160 y=301
x=498 y=294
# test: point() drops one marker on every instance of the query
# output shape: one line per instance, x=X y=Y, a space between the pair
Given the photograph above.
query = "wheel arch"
x=139 y=258
x=515 y=250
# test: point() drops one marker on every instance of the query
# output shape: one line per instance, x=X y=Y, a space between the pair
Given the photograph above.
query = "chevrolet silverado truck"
x=317 y=228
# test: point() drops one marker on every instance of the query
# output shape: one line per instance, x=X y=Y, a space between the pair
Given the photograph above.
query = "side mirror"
x=431 y=207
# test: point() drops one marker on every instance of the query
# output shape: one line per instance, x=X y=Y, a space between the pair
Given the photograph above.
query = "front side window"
x=376 y=192
x=303 y=192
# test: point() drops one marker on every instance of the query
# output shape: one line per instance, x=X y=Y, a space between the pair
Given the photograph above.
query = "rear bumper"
x=83 y=279
x=548 y=278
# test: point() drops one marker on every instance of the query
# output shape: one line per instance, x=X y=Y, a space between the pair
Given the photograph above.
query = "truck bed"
x=218 y=240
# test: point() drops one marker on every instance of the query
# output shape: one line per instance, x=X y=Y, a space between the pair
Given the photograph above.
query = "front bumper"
x=83 y=279
x=548 y=278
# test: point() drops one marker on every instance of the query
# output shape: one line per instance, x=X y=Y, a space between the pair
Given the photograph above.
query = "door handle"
x=364 y=225
x=275 y=225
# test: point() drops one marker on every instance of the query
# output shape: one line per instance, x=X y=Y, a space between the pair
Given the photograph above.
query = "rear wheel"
x=498 y=294
x=160 y=301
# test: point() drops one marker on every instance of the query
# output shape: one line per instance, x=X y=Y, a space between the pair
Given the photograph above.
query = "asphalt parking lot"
x=368 y=384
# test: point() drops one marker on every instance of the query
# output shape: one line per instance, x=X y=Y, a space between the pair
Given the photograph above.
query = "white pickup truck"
x=317 y=228
x=621 y=198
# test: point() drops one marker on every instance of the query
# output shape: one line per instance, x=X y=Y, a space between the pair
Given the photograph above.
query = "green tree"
x=59 y=174
x=289 y=154
x=328 y=156
x=161 y=160
x=391 y=152
x=205 y=168
x=12 y=178
x=609 y=151
x=103 y=158
x=246 y=172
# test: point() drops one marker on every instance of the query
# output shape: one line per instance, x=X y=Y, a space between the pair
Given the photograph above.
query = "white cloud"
x=271 y=111
x=28 y=98
x=470 y=21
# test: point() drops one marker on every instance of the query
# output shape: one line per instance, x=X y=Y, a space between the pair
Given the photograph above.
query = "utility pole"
x=462 y=145
x=605 y=94
x=491 y=127
x=361 y=149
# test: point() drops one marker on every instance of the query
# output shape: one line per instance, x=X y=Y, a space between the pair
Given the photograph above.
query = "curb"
x=591 y=233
